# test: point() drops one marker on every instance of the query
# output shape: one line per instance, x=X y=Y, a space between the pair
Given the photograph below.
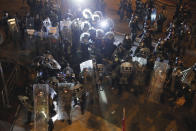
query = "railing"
x=18 y=109
x=8 y=86
x=11 y=82
x=7 y=90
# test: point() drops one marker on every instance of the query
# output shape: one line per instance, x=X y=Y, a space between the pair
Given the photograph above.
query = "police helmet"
x=109 y=35
x=84 y=37
x=99 y=33
x=87 y=14
x=85 y=26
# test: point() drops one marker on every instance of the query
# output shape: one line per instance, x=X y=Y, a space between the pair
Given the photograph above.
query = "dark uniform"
x=133 y=25
x=129 y=10
x=122 y=9
x=160 y=22
x=66 y=98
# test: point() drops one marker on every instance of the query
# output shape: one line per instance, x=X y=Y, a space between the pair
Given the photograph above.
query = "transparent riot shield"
x=86 y=69
x=65 y=29
x=140 y=60
x=86 y=65
x=139 y=71
x=125 y=71
x=64 y=101
x=41 y=107
x=157 y=81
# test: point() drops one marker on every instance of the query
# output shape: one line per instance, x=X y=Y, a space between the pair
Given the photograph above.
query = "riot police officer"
x=122 y=9
x=109 y=46
x=148 y=41
x=160 y=21
x=84 y=41
x=127 y=42
x=129 y=9
x=67 y=96
x=82 y=98
x=133 y=25
x=139 y=8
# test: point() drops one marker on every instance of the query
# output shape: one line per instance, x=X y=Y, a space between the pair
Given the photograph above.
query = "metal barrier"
x=6 y=92
x=8 y=86
x=12 y=81
x=18 y=109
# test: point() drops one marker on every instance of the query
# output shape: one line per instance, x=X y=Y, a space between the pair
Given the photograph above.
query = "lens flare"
x=104 y=24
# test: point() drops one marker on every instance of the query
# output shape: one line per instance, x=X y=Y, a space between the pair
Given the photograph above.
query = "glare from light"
x=104 y=24
x=78 y=2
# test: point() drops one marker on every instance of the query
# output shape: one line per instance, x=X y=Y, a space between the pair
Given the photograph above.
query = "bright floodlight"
x=104 y=24
x=78 y=1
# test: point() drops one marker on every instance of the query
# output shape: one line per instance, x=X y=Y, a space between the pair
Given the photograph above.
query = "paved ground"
x=105 y=114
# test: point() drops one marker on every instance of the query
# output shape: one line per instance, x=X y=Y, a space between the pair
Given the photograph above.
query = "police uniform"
x=67 y=98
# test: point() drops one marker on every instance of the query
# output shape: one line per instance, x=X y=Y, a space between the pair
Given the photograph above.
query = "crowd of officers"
x=153 y=42
x=74 y=33
x=86 y=35
x=147 y=20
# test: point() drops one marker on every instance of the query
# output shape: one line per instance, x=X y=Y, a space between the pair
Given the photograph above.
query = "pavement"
x=88 y=122
x=105 y=114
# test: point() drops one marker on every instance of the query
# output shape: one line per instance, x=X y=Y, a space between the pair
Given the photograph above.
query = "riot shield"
x=64 y=100
x=140 y=60
x=157 y=81
x=65 y=29
x=41 y=107
x=86 y=69
x=125 y=71
x=140 y=71
x=86 y=65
